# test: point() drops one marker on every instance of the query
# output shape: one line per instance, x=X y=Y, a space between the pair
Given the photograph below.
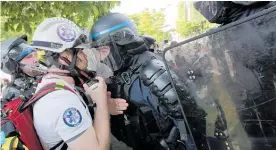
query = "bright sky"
x=136 y=6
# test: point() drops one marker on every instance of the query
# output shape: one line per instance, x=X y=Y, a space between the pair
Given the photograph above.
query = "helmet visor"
x=17 y=53
x=109 y=53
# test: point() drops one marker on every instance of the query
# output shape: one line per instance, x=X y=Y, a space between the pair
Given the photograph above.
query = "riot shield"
x=230 y=74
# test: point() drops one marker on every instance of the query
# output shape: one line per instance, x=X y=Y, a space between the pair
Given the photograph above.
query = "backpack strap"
x=44 y=91
x=48 y=88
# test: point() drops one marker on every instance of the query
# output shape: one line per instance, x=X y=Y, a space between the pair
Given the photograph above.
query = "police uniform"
x=60 y=115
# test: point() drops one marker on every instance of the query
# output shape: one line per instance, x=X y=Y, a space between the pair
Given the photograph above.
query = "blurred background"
x=172 y=20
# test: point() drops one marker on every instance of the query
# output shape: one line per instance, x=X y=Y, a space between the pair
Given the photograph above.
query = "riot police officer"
x=154 y=116
x=16 y=57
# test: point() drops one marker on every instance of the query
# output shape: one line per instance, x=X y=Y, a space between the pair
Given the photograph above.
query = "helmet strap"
x=74 y=59
x=78 y=75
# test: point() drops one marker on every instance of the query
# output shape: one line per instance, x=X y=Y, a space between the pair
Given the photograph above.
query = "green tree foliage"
x=151 y=23
x=18 y=17
x=191 y=22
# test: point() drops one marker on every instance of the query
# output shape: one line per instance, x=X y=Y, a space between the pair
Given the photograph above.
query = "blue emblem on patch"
x=72 y=117
x=66 y=32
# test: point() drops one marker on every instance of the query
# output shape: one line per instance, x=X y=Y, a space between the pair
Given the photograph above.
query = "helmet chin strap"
x=78 y=75
x=72 y=67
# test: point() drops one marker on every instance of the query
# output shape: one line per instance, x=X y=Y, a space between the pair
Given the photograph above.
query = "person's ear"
x=104 y=52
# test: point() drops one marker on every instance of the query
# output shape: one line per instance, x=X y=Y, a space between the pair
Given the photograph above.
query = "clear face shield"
x=28 y=60
x=17 y=53
x=95 y=64
x=109 y=53
x=110 y=48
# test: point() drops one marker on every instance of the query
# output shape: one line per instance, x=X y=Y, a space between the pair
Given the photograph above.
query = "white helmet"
x=57 y=34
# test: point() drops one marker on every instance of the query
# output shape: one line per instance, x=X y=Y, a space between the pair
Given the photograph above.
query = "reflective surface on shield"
x=231 y=75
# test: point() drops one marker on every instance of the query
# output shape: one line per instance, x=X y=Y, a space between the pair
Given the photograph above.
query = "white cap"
x=57 y=34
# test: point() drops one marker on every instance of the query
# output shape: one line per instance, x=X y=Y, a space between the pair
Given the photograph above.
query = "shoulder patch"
x=72 y=117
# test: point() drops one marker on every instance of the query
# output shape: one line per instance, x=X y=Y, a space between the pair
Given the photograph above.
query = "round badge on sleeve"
x=66 y=32
x=72 y=117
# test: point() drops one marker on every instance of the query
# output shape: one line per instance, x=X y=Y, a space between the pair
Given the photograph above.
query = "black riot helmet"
x=117 y=34
x=12 y=52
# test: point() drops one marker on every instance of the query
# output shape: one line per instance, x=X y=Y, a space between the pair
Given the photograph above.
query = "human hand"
x=116 y=106
x=98 y=94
